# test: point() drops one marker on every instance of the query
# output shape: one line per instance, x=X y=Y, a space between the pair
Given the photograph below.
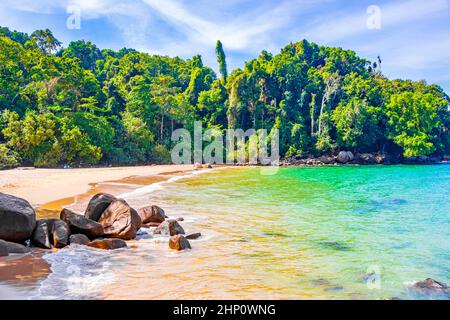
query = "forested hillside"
x=81 y=105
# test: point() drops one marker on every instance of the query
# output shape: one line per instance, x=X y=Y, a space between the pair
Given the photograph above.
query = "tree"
x=221 y=59
x=45 y=41
x=414 y=122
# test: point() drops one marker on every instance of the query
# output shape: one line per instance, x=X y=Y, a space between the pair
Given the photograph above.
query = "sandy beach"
x=41 y=186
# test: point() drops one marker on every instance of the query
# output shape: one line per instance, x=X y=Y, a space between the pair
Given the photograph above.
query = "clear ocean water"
x=304 y=233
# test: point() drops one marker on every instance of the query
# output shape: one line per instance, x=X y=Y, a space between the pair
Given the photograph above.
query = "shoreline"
x=47 y=187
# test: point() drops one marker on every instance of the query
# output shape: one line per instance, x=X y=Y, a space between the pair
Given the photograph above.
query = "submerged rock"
x=194 y=236
x=151 y=214
x=169 y=228
x=17 y=219
x=120 y=221
x=80 y=224
x=179 y=243
x=431 y=287
x=79 y=239
x=335 y=245
x=108 y=244
x=97 y=205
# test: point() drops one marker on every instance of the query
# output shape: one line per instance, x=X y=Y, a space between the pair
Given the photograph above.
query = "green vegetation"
x=84 y=106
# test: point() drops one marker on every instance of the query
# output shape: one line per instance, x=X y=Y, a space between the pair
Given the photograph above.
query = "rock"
x=169 y=228
x=345 y=157
x=41 y=234
x=197 y=166
x=98 y=205
x=151 y=214
x=3 y=249
x=366 y=158
x=179 y=242
x=79 y=224
x=150 y=225
x=108 y=244
x=60 y=234
x=326 y=159
x=17 y=219
x=209 y=166
x=431 y=287
x=379 y=159
x=180 y=219
x=13 y=247
x=120 y=221
x=79 y=239
x=51 y=233
x=194 y=236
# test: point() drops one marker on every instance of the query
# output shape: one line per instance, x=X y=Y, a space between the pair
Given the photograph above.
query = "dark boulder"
x=194 y=236
x=41 y=234
x=98 y=205
x=366 y=158
x=79 y=239
x=17 y=219
x=169 y=228
x=120 y=221
x=108 y=244
x=80 y=224
x=51 y=233
x=3 y=249
x=345 y=157
x=60 y=234
x=151 y=214
x=14 y=248
x=179 y=243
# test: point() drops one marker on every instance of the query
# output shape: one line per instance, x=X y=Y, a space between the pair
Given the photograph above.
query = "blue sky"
x=413 y=41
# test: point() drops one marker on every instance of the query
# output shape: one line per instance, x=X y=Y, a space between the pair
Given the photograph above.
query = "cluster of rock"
x=347 y=157
x=106 y=224
x=198 y=166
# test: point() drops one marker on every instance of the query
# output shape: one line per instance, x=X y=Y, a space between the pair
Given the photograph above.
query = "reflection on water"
x=303 y=233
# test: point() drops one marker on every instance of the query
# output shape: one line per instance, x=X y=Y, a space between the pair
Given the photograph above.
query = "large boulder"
x=13 y=247
x=366 y=158
x=97 y=205
x=51 y=233
x=120 y=221
x=79 y=224
x=79 y=239
x=179 y=243
x=345 y=157
x=17 y=218
x=169 y=228
x=108 y=244
x=151 y=214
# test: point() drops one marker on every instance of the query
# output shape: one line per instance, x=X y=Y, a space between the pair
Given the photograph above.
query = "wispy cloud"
x=413 y=41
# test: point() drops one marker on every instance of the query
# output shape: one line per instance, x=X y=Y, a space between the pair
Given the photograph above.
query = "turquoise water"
x=304 y=233
x=316 y=232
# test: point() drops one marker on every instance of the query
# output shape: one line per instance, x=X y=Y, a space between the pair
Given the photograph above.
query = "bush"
x=8 y=158
x=160 y=154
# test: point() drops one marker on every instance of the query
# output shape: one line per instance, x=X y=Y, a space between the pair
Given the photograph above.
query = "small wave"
x=160 y=185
